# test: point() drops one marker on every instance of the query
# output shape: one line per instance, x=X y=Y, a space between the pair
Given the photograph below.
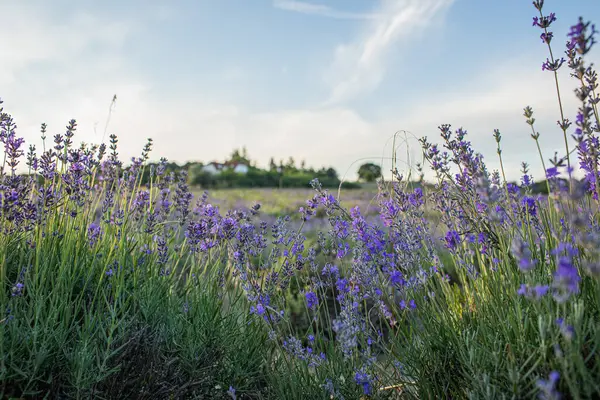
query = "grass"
x=281 y=202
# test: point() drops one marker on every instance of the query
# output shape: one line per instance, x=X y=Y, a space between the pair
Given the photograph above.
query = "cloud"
x=319 y=9
x=36 y=42
x=359 y=66
x=69 y=65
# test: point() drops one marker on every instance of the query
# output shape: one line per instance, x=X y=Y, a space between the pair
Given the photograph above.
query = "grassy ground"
x=277 y=202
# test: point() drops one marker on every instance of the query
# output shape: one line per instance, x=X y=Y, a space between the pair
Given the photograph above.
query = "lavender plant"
x=101 y=296
x=504 y=304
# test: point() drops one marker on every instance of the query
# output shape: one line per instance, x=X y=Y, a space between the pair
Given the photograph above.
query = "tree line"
x=280 y=174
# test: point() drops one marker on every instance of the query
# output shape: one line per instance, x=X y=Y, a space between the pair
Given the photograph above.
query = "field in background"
x=279 y=202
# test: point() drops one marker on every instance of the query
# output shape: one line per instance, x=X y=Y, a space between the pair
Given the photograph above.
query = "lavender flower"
x=364 y=380
x=566 y=279
x=17 y=289
x=311 y=300
x=580 y=37
x=94 y=232
x=520 y=250
x=331 y=390
x=231 y=393
x=567 y=331
x=548 y=387
x=452 y=240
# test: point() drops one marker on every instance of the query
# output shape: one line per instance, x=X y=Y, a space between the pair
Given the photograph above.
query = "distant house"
x=216 y=168
x=239 y=168
x=213 y=168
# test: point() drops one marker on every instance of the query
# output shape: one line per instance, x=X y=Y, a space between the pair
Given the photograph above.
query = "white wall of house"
x=238 y=169
x=211 y=169
x=241 y=169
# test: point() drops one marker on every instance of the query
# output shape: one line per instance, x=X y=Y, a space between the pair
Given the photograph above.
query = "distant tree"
x=272 y=165
x=369 y=172
x=302 y=165
x=190 y=164
x=239 y=157
x=331 y=173
x=291 y=164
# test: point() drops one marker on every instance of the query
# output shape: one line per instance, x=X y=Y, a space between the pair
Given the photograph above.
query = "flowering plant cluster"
x=114 y=288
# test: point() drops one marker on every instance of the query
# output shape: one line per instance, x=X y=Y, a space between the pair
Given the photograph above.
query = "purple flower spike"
x=231 y=393
x=311 y=300
x=452 y=240
x=364 y=380
x=566 y=280
x=548 y=387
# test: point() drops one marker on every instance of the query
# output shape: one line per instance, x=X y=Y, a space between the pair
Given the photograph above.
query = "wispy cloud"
x=319 y=9
x=359 y=66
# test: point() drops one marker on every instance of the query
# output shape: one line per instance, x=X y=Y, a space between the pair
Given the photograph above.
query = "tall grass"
x=103 y=301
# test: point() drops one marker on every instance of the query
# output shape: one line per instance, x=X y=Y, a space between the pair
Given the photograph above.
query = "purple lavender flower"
x=540 y=290
x=526 y=180
x=566 y=279
x=311 y=300
x=364 y=380
x=94 y=232
x=548 y=387
x=343 y=249
x=17 y=289
x=183 y=197
x=396 y=278
x=162 y=250
x=452 y=240
x=412 y=304
x=537 y=292
x=231 y=393
x=580 y=38
x=529 y=206
x=142 y=199
x=330 y=271
x=544 y=21
x=552 y=66
x=13 y=151
x=348 y=326
x=342 y=285
x=567 y=331
x=259 y=309
x=340 y=228
x=331 y=390
x=546 y=37
x=520 y=250
x=294 y=347
x=552 y=172
x=389 y=212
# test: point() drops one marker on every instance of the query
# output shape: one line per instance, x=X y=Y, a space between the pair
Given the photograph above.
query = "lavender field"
x=468 y=287
x=276 y=203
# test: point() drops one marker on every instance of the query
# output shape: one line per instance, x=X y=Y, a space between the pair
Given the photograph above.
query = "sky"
x=328 y=82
